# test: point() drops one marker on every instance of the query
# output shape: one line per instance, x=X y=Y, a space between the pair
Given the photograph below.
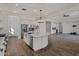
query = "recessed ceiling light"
x=17 y=4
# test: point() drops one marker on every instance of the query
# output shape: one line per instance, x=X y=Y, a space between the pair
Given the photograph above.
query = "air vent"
x=24 y=9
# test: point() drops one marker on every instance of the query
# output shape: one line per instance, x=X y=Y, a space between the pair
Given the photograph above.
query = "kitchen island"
x=36 y=41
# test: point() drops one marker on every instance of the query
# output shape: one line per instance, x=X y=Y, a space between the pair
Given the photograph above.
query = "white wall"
x=3 y=23
x=67 y=26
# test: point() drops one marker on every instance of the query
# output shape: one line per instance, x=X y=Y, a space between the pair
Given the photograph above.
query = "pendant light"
x=40 y=20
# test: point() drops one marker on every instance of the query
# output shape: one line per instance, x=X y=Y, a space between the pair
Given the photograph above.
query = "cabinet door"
x=44 y=41
x=37 y=43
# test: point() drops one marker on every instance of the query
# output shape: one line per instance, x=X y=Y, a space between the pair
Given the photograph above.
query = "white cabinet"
x=36 y=41
x=27 y=39
x=2 y=47
x=40 y=42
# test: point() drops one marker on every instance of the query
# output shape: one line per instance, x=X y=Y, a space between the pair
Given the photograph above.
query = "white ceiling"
x=50 y=10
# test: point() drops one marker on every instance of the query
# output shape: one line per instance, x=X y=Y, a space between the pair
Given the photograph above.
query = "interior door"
x=48 y=26
x=14 y=26
x=60 y=28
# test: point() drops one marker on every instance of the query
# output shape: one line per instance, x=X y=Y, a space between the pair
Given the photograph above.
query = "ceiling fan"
x=66 y=15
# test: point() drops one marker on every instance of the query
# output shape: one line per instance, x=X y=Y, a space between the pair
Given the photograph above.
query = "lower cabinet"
x=36 y=42
x=3 y=44
x=40 y=42
x=2 y=47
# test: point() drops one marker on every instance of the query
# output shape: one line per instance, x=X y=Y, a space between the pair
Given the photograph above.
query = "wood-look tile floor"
x=57 y=47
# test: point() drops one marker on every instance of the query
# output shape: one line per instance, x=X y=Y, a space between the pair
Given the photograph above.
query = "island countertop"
x=38 y=34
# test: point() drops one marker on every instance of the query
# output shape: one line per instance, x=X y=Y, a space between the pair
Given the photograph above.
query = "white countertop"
x=37 y=34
